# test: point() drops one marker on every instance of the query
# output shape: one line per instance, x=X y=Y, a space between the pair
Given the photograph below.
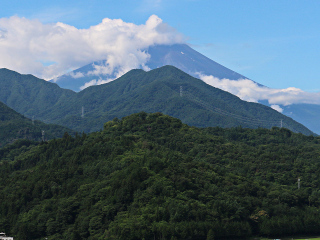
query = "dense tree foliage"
x=158 y=90
x=149 y=176
x=14 y=126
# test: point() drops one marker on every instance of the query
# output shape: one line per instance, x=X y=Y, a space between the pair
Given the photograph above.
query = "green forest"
x=165 y=89
x=14 y=126
x=149 y=176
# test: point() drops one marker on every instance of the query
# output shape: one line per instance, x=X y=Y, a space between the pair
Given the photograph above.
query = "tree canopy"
x=149 y=176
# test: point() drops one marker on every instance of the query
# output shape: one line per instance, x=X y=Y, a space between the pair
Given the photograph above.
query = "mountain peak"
x=181 y=56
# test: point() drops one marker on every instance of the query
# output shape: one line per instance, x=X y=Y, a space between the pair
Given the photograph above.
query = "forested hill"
x=166 y=89
x=149 y=176
x=14 y=126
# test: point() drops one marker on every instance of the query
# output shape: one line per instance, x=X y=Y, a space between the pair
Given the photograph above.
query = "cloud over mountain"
x=250 y=91
x=49 y=50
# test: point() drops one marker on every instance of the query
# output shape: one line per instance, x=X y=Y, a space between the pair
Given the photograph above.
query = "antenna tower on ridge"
x=42 y=135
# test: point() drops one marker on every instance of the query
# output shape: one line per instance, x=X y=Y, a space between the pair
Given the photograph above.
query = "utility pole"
x=298 y=183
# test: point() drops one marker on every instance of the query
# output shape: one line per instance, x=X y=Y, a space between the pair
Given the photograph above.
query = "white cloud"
x=94 y=82
x=252 y=92
x=25 y=45
x=277 y=108
x=89 y=84
x=76 y=74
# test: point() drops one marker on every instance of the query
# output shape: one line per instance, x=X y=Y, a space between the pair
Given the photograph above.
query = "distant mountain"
x=188 y=60
x=179 y=55
x=192 y=62
x=14 y=126
x=30 y=95
x=166 y=89
x=306 y=114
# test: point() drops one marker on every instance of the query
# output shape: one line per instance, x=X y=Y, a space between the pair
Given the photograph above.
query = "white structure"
x=3 y=237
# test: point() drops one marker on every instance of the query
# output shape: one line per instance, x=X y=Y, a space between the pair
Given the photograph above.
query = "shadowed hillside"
x=14 y=126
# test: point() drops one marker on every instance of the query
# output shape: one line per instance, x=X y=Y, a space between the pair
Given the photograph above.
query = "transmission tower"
x=82 y=115
x=180 y=91
x=42 y=135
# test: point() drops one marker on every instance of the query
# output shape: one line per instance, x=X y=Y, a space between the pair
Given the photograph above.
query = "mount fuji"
x=178 y=55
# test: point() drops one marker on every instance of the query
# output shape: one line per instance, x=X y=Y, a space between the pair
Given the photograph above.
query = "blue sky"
x=275 y=43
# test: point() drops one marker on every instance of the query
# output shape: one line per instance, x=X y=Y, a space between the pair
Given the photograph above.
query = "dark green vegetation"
x=149 y=176
x=155 y=91
x=14 y=126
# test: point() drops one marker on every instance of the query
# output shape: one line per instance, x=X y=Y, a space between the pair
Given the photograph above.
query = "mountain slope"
x=178 y=55
x=188 y=60
x=155 y=91
x=192 y=62
x=306 y=114
x=159 y=91
x=14 y=126
x=149 y=176
x=29 y=95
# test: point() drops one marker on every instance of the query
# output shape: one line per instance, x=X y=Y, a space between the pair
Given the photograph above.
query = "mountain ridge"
x=14 y=126
x=179 y=55
x=155 y=91
x=192 y=62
